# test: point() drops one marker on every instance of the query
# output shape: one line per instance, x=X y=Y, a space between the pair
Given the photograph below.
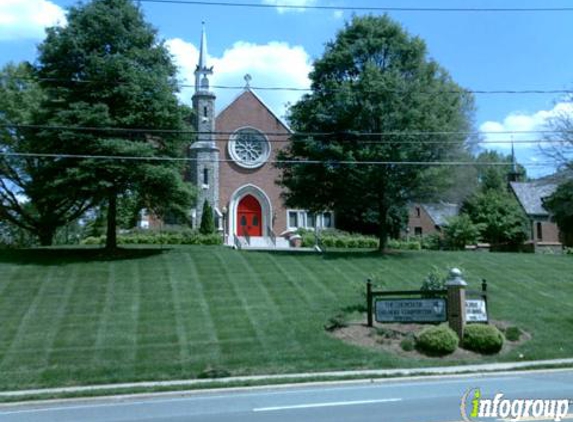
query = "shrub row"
x=338 y=239
x=441 y=340
x=187 y=238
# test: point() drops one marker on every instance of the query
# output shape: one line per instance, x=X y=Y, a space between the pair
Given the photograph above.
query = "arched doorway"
x=249 y=217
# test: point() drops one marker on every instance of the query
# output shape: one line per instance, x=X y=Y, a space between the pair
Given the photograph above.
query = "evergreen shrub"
x=482 y=338
x=438 y=340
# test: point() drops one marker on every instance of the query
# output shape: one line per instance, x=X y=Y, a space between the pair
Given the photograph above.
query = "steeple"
x=513 y=175
x=202 y=71
x=204 y=154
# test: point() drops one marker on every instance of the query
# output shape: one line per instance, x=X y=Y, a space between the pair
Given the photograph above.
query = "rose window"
x=249 y=148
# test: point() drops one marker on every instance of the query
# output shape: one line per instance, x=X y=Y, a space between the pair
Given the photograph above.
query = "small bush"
x=336 y=322
x=481 y=338
x=513 y=333
x=435 y=280
x=211 y=372
x=431 y=242
x=408 y=344
x=438 y=340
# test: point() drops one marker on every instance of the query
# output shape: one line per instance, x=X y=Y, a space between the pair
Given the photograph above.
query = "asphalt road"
x=413 y=400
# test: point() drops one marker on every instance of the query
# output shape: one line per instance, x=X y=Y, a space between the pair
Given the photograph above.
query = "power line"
x=303 y=89
x=286 y=162
x=348 y=134
x=367 y=8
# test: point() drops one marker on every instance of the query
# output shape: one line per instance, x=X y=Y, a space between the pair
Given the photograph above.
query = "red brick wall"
x=549 y=231
x=247 y=110
x=424 y=221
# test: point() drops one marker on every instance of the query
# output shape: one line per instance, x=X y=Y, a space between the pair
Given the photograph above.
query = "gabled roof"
x=440 y=212
x=248 y=90
x=531 y=194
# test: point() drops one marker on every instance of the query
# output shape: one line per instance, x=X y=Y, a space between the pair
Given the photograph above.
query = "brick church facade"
x=232 y=167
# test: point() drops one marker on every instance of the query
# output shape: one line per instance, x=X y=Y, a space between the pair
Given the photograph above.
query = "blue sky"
x=482 y=51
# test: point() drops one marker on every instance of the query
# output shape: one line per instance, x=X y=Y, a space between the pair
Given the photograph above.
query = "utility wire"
x=289 y=162
x=366 y=8
x=301 y=134
x=302 y=89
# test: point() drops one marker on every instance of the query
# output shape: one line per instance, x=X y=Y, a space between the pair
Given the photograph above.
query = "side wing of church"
x=232 y=167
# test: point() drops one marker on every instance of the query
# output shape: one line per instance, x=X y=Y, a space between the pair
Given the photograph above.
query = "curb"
x=297 y=377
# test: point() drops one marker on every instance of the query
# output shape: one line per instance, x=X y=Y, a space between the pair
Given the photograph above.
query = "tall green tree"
x=108 y=70
x=560 y=203
x=499 y=216
x=381 y=100
x=33 y=196
x=207 y=220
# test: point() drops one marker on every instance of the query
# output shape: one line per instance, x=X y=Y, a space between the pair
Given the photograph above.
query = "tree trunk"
x=111 y=234
x=46 y=235
x=382 y=225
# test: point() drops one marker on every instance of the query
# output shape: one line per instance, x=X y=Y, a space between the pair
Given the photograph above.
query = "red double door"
x=249 y=217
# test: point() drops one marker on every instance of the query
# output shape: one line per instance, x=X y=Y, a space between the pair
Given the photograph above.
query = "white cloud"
x=521 y=127
x=338 y=14
x=276 y=64
x=293 y=3
x=27 y=19
x=527 y=123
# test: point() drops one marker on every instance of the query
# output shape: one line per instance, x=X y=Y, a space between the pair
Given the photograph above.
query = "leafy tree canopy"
x=107 y=69
x=499 y=216
x=376 y=97
x=32 y=195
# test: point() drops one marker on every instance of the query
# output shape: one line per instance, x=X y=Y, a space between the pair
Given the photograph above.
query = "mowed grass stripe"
x=241 y=287
x=279 y=304
x=13 y=356
x=294 y=282
x=300 y=265
x=56 y=319
x=203 y=325
x=181 y=312
x=230 y=319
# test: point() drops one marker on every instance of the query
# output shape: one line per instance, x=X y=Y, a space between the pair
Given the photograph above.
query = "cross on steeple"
x=248 y=79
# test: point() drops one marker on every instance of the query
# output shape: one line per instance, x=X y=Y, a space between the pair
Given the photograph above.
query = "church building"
x=232 y=167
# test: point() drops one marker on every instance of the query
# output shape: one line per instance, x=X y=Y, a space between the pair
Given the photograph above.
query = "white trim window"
x=303 y=219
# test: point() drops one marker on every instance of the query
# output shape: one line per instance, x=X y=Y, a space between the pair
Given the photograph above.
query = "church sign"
x=454 y=304
x=411 y=310
x=476 y=310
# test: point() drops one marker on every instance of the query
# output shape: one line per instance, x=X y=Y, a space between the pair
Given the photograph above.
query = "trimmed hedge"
x=332 y=238
x=438 y=340
x=482 y=338
x=186 y=238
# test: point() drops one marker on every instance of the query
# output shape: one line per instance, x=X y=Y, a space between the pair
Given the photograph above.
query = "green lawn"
x=73 y=317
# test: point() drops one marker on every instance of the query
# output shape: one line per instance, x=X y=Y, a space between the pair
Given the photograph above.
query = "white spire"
x=203 y=51
x=202 y=71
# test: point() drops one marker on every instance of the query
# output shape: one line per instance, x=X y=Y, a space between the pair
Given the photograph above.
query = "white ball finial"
x=455 y=278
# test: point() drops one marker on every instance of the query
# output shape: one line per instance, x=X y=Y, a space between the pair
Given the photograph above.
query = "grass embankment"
x=74 y=317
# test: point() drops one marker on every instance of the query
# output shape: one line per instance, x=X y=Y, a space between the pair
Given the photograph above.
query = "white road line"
x=326 y=404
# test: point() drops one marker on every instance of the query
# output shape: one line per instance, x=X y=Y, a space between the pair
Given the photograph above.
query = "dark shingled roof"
x=531 y=194
x=440 y=212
